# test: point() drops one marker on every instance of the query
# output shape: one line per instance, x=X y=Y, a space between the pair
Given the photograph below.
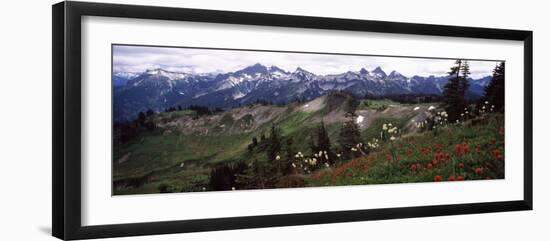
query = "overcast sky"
x=139 y=59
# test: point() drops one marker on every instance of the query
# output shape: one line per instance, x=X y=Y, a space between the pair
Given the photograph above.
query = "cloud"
x=141 y=58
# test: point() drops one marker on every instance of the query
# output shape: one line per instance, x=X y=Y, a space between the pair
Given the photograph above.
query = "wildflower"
x=392 y=138
x=384 y=127
x=204 y=188
x=338 y=155
x=353 y=149
x=451 y=178
x=438 y=178
x=497 y=155
x=459 y=178
x=429 y=166
x=431 y=107
x=461 y=165
x=416 y=108
x=278 y=157
x=413 y=168
x=233 y=188
x=486 y=102
x=462 y=149
x=479 y=171
x=293 y=165
x=327 y=165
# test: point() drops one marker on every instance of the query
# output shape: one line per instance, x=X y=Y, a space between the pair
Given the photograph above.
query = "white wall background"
x=25 y=122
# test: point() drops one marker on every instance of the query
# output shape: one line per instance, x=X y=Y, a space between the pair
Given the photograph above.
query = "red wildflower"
x=497 y=155
x=478 y=149
x=461 y=165
x=438 y=178
x=429 y=166
x=440 y=157
x=462 y=149
x=479 y=171
x=451 y=178
x=388 y=157
x=459 y=178
x=413 y=168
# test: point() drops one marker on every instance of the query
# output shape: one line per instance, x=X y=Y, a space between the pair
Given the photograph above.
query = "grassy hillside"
x=181 y=150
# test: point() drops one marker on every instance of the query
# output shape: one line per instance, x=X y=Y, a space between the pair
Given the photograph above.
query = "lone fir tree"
x=494 y=92
x=349 y=136
x=274 y=149
x=454 y=92
x=323 y=145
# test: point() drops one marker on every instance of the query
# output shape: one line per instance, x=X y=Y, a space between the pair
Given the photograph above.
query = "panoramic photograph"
x=187 y=119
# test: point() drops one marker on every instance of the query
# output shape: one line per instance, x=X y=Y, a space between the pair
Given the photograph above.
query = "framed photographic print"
x=170 y=120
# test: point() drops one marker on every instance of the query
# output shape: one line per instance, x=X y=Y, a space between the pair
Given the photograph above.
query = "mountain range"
x=158 y=89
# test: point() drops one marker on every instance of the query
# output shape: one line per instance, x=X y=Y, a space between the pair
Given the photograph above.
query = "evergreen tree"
x=323 y=145
x=349 y=136
x=454 y=91
x=274 y=149
x=494 y=92
x=289 y=156
x=253 y=177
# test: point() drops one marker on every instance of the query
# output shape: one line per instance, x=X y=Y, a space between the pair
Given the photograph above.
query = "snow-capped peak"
x=395 y=75
x=164 y=73
x=253 y=69
x=379 y=72
x=125 y=75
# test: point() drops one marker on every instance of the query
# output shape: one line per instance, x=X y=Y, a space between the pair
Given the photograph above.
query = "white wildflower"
x=338 y=155
x=278 y=157
x=233 y=188
x=384 y=127
x=293 y=165
x=392 y=138
x=327 y=165
x=416 y=108
x=431 y=107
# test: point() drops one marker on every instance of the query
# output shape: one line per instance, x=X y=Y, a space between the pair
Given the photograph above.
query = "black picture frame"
x=66 y=75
